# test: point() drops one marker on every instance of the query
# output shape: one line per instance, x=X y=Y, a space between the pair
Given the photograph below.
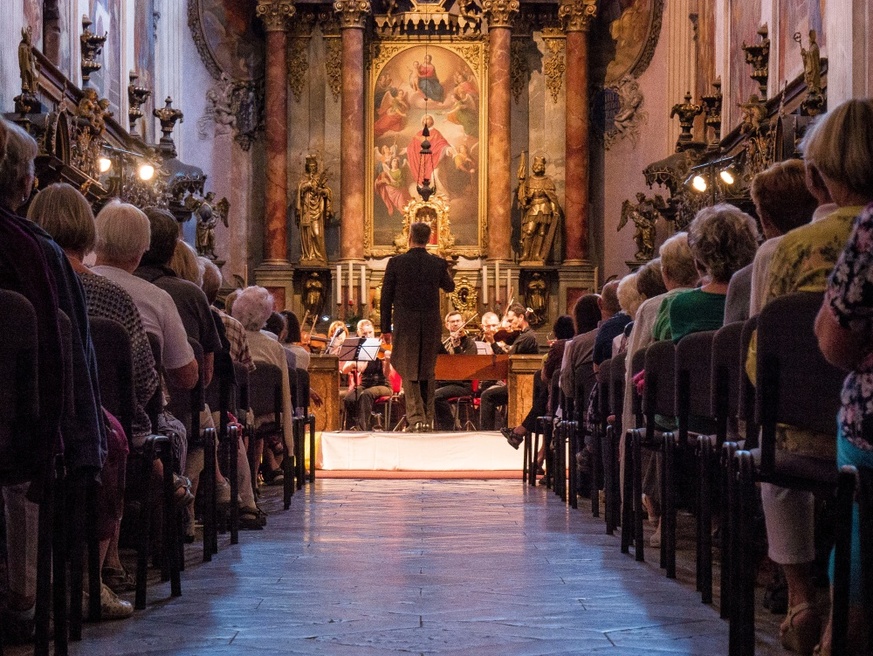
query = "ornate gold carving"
x=519 y=71
x=333 y=65
x=168 y=116
x=275 y=14
x=554 y=66
x=577 y=15
x=500 y=12
x=352 y=13
x=87 y=132
x=136 y=98
x=434 y=212
x=28 y=68
x=298 y=65
x=686 y=112
x=465 y=299
x=758 y=55
x=91 y=45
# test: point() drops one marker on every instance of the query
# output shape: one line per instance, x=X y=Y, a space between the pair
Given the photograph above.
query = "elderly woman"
x=252 y=307
x=839 y=148
x=723 y=240
x=65 y=214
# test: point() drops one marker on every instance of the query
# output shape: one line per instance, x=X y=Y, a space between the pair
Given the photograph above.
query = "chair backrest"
x=396 y=382
x=19 y=387
x=726 y=370
x=660 y=393
x=638 y=363
x=616 y=384
x=241 y=378
x=265 y=390
x=604 y=375
x=795 y=384
x=301 y=398
x=156 y=403
x=114 y=369
x=746 y=395
x=694 y=374
x=185 y=405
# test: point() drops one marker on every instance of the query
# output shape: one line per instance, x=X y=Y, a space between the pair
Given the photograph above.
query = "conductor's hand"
x=386 y=338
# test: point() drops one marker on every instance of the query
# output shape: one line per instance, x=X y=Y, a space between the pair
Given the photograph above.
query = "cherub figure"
x=644 y=214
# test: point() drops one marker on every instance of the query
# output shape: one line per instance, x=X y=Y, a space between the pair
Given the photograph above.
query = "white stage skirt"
x=390 y=451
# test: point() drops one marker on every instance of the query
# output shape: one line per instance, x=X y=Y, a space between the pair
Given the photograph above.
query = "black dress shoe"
x=512 y=437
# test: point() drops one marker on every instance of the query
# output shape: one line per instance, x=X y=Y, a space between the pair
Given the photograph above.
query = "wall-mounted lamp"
x=145 y=172
x=104 y=164
x=729 y=174
x=702 y=177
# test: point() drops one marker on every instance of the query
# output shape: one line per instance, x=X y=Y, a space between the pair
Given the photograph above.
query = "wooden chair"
x=795 y=386
x=19 y=398
x=265 y=399
x=631 y=508
x=612 y=400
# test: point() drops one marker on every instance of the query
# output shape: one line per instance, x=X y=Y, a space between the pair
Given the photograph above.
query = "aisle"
x=364 y=567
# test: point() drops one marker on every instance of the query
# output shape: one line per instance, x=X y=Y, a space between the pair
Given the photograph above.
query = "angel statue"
x=541 y=212
x=208 y=213
x=643 y=214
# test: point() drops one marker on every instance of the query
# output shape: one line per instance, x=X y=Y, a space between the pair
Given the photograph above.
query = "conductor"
x=411 y=291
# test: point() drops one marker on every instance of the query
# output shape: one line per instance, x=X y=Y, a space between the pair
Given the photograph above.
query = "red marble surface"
x=352 y=145
x=577 y=172
x=499 y=158
x=276 y=115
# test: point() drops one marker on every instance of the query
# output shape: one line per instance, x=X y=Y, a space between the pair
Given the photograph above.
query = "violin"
x=506 y=336
x=315 y=342
x=384 y=349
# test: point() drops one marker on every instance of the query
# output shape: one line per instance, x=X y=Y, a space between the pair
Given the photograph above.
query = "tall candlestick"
x=363 y=287
x=339 y=284
x=485 y=284
x=508 y=284
x=351 y=282
x=497 y=282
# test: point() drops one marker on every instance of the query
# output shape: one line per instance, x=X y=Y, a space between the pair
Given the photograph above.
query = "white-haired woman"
x=252 y=307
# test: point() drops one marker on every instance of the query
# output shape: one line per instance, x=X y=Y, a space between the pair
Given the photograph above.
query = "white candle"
x=351 y=281
x=485 y=284
x=339 y=284
x=508 y=284
x=363 y=286
x=497 y=282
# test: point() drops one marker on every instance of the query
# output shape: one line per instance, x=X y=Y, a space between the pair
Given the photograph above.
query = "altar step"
x=480 y=451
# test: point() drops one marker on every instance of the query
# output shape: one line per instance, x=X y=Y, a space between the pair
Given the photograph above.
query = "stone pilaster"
x=499 y=14
x=353 y=18
x=577 y=16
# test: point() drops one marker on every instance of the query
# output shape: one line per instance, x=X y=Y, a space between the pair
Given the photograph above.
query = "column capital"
x=352 y=13
x=500 y=12
x=577 y=15
x=275 y=14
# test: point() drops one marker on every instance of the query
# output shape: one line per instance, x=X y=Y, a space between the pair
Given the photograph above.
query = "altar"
x=397 y=451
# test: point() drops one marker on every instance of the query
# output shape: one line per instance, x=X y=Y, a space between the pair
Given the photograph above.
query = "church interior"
x=552 y=147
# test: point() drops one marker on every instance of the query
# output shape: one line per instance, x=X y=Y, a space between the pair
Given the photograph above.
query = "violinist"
x=490 y=326
x=524 y=343
x=458 y=342
x=371 y=382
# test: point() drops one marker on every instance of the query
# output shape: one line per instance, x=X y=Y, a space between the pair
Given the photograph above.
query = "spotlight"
x=104 y=163
x=146 y=172
x=699 y=183
x=728 y=175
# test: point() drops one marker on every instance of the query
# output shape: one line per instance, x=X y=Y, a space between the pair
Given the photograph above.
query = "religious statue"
x=815 y=100
x=541 y=212
x=313 y=295
x=754 y=115
x=536 y=298
x=644 y=214
x=208 y=213
x=27 y=64
x=313 y=212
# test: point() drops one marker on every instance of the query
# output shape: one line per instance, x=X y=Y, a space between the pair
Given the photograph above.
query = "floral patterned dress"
x=849 y=296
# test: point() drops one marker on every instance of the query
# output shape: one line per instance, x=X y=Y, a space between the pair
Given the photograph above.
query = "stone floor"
x=478 y=567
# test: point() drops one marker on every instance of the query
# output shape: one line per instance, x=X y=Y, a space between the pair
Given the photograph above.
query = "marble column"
x=275 y=14
x=353 y=18
x=499 y=14
x=577 y=16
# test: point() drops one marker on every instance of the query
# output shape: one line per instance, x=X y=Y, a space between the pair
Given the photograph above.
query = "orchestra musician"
x=371 y=380
x=524 y=342
x=457 y=342
x=490 y=326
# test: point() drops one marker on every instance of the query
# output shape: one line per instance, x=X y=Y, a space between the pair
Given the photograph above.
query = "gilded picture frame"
x=406 y=83
x=226 y=36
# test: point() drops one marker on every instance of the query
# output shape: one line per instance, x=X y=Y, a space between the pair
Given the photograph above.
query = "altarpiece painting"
x=440 y=86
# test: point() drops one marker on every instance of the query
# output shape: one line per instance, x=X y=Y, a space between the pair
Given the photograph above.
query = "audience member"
x=615 y=318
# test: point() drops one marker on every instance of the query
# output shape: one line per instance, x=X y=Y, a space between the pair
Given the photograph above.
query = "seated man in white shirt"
x=123 y=235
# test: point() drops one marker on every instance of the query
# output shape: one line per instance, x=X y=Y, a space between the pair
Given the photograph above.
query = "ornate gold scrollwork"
x=275 y=14
x=554 y=65
x=434 y=212
x=519 y=70
x=500 y=12
x=577 y=15
x=465 y=299
x=352 y=13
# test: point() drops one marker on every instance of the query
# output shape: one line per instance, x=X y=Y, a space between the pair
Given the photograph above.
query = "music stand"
x=359 y=349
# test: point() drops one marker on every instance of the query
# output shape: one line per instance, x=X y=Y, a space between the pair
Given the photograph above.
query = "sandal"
x=251 y=520
x=117 y=580
x=275 y=477
x=797 y=636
